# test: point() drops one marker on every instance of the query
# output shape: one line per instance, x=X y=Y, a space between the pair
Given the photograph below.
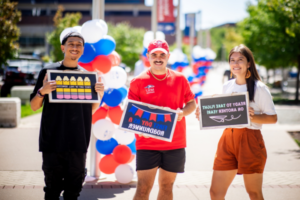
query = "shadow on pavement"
x=95 y=194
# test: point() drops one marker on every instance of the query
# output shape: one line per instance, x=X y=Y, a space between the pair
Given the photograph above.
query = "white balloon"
x=116 y=77
x=77 y=28
x=176 y=56
x=124 y=173
x=132 y=164
x=148 y=37
x=65 y=32
x=94 y=30
x=103 y=129
x=210 y=54
x=187 y=71
x=124 y=137
x=198 y=52
x=196 y=88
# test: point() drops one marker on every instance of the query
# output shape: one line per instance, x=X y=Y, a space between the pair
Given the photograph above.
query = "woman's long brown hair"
x=245 y=51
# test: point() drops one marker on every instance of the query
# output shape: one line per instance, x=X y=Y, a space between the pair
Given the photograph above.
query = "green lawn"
x=26 y=110
x=297 y=141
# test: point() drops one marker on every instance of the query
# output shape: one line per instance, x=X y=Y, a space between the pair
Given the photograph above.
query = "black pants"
x=63 y=172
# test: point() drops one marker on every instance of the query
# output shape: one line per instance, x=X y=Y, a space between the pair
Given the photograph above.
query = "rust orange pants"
x=241 y=149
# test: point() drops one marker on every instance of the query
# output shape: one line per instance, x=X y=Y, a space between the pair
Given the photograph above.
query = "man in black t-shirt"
x=65 y=127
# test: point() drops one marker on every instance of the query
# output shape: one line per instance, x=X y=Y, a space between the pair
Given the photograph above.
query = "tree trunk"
x=297 y=84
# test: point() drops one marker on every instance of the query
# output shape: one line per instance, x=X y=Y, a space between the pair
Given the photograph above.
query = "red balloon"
x=146 y=62
x=87 y=66
x=114 y=58
x=101 y=113
x=115 y=114
x=131 y=159
x=179 y=69
x=102 y=64
x=108 y=164
x=122 y=154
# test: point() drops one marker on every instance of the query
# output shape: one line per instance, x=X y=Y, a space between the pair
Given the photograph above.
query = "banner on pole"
x=165 y=11
x=165 y=17
x=189 y=19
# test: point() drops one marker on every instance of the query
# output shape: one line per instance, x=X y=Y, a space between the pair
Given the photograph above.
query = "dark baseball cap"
x=72 y=34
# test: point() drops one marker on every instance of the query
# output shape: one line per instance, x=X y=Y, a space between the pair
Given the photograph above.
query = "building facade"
x=37 y=18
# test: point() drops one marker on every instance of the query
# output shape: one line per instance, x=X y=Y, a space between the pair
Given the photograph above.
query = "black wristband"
x=39 y=93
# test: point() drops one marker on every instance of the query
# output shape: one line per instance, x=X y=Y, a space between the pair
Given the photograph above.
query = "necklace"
x=158 y=78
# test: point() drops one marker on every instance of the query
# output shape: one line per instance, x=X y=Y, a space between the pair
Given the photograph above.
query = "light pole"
x=178 y=31
x=98 y=13
x=192 y=32
x=154 y=18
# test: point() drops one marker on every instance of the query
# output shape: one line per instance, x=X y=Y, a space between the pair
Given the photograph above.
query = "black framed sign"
x=73 y=86
x=221 y=111
x=150 y=120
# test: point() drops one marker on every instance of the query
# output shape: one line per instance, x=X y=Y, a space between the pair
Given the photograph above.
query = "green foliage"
x=27 y=111
x=129 y=41
x=60 y=23
x=223 y=39
x=272 y=32
x=9 y=32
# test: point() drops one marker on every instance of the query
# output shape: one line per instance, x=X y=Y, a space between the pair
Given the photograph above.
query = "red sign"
x=186 y=40
x=165 y=11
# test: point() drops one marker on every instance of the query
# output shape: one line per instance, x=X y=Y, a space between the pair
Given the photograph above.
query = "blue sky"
x=214 y=12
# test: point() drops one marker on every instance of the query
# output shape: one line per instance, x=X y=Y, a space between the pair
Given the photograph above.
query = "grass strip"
x=26 y=110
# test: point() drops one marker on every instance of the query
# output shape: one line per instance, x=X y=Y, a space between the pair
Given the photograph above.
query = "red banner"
x=165 y=11
x=139 y=113
x=167 y=118
x=153 y=117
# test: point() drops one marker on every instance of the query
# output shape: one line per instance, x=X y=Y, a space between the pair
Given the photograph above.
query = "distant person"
x=139 y=66
x=161 y=87
x=65 y=127
x=242 y=150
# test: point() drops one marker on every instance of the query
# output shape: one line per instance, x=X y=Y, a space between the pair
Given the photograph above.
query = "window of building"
x=31 y=41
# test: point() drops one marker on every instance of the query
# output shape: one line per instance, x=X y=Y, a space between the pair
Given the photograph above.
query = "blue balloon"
x=124 y=91
x=145 y=51
x=132 y=146
x=88 y=54
x=112 y=97
x=190 y=78
x=174 y=66
x=199 y=59
x=105 y=46
x=198 y=94
x=106 y=146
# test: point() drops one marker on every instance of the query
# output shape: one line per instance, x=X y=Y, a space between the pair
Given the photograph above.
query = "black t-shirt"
x=64 y=127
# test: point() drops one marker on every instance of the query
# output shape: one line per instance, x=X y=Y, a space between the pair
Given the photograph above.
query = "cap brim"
x=159 y=49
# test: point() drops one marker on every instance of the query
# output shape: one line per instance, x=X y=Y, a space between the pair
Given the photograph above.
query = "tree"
x=272 y=32
x=129 y=41
x=9 y=32
x=60 y=23
x=224 y=39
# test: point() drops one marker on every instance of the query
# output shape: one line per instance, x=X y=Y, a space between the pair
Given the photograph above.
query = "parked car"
x=21 y=71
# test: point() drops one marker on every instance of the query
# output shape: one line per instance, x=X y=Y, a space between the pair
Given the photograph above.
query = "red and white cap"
x=158 y=45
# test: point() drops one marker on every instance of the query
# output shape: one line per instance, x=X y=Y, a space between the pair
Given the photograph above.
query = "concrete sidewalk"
x=21 y=177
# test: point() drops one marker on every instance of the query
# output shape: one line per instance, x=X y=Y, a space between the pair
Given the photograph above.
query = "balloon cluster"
x=118 y=146
x=202 y=62
x=178 y=60
x=148 y=37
